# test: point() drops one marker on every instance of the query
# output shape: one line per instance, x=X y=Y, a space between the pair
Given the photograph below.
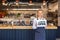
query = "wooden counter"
x=24 y=27
x=18 y=34
x=51 y=27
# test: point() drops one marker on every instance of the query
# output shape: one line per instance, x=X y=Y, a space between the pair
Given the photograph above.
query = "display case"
x=22 y=17
x=52 y=17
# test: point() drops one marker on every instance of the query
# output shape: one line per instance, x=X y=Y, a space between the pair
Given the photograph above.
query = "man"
x=39 y=25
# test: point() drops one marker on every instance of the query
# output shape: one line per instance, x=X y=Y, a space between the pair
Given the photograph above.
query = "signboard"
x=41 y=23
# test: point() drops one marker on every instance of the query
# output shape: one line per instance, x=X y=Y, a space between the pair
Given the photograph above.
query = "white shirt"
x=39 y=23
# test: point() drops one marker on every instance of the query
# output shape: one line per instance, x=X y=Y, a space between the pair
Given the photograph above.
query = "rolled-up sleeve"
x=34 y=24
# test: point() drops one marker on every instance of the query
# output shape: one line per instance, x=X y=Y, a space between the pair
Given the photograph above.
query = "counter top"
x=51 y=27
x=25 y=27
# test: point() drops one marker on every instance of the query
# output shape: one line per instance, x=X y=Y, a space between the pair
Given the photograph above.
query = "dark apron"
x=40 y=33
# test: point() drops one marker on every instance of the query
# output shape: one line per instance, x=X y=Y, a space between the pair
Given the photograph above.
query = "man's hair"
x=39 y=10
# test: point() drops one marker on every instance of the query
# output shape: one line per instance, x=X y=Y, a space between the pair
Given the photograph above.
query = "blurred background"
x=26 y=9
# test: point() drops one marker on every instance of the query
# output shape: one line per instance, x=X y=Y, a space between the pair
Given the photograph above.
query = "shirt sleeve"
x=34 y=24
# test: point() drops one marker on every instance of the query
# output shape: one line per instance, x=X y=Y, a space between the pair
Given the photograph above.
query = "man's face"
x=39 y=14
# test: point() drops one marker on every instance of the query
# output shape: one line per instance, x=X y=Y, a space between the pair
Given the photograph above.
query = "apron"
x=39 y=28
x=40 y=33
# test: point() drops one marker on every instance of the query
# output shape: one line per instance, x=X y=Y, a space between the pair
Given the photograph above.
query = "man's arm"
x=34 y=24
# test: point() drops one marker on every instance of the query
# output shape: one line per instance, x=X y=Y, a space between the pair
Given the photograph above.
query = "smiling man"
x=39 y=25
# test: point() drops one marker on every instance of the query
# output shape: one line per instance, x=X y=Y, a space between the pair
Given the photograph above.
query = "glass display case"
x=18 y=17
